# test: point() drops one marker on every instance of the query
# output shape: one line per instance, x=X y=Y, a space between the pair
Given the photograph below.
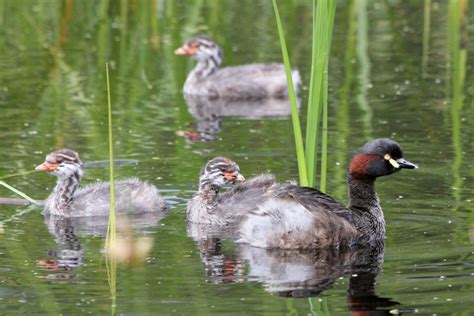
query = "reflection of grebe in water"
x=292 y=273
x=69 y=254
x=68 y=232
x=296 y=273
x=209 y=112
x=219 y=267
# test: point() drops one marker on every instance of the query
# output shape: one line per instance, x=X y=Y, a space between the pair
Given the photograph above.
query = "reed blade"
x=324 y=12
x=111 y=229
x=111 y=268
x=324 y=144
x=323 y=23
x=300 y=153
x=23 y=195
x=19 y=174
x=314 y=97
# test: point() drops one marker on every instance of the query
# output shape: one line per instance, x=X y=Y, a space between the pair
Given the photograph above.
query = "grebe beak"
x=186 y=50
x=405 y=164
x=233 y=177
x=47 y=166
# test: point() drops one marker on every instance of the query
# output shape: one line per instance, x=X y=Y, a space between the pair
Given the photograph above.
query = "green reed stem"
x=19 y=174
x=111 y=238
x=315 y=98
x=324 y=146
x=111 y=267
x=111 y=229
x=312 y=123
x=23 y=195
x=300 y=154
x=331 y=13
x=323 y=22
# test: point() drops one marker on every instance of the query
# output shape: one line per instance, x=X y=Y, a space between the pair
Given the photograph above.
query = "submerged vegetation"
x=317 y=111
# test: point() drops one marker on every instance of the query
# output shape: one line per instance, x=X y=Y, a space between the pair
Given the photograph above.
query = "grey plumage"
x=293 y=217
x=251 y=81
x=69 y=200
x=211 y=207
x=131 y=196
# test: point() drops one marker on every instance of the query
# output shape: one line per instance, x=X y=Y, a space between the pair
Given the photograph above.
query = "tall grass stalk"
x=111 y=237
x=23 y=195
x=323 y=21
x=19 y=174
x=314 y=97
x=300 y=153
x=331 y=13
x=111 y=266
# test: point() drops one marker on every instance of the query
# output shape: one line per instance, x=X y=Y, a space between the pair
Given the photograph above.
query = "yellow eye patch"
x=392 y=161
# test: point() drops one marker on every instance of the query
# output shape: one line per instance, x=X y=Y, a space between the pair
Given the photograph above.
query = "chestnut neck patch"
x=360 y=164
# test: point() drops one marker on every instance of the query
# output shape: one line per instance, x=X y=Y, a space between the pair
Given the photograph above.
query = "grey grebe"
x=251 y=81
x=69 y=200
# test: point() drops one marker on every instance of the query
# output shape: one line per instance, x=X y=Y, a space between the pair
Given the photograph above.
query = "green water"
x=52 y=95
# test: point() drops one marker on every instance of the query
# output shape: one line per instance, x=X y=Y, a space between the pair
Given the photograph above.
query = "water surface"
x=52 y=95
